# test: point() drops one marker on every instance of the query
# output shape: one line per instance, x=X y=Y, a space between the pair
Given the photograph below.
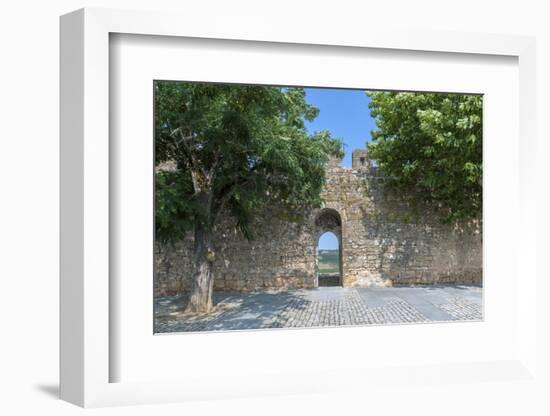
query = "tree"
x=234 y=150
x=429 y=147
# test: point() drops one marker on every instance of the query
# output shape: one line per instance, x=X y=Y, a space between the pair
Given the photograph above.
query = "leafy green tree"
x=231 y=150
x=429 y=146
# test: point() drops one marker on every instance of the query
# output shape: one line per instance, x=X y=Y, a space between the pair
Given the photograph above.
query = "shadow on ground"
x=323 y=306
x=233 y=311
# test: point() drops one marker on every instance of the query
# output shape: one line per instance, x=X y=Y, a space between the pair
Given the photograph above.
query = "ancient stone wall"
x=383 y=241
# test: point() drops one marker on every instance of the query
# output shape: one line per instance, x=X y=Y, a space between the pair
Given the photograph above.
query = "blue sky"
x=328 y=241
x=345 y=113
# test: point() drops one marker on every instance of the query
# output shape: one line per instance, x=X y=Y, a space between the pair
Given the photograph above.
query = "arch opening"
x=328 y=250
x=328 y=260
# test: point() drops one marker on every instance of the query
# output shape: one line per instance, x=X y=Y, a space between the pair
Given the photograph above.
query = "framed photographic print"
x=278 y=207
x=257 y=231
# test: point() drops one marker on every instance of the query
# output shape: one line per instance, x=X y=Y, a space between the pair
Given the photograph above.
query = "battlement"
x=360 y=159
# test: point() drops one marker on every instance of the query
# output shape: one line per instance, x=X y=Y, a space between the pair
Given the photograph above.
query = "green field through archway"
x=328 y=260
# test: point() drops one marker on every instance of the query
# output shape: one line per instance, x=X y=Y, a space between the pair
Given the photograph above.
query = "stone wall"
x=383 y=242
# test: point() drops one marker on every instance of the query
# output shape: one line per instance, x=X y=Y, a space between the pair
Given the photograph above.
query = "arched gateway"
x=328 y=220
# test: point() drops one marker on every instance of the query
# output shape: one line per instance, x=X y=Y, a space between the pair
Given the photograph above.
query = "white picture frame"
x=85 y=259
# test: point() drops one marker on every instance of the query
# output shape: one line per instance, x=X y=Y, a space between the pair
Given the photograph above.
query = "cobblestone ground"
x=326 y=306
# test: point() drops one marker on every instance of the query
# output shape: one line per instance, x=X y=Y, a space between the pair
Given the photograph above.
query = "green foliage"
x=173 y=211
x=236 y=149
x=429 y=146
x=329 y=261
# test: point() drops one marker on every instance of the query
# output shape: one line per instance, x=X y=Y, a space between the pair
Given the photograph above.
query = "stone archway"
x=328 y=219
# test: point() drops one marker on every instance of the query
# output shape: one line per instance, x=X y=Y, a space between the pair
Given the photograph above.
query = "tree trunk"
x=200 y=300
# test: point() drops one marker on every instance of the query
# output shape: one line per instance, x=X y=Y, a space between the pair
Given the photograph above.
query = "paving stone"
x=322 y=307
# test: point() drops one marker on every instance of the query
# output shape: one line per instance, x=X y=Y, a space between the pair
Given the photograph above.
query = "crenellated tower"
x=360 y=160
